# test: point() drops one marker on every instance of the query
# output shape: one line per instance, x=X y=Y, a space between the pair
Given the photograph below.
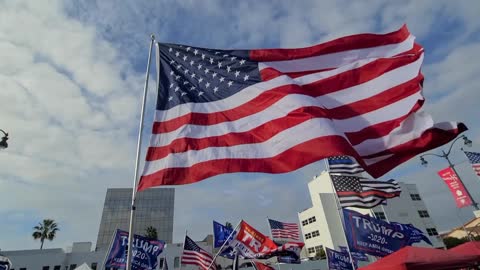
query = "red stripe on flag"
x=430 y=139
x=353 y=42
x=292 y=159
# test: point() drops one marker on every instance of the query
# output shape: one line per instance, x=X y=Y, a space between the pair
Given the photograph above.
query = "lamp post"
x=3 y=142
x=446 y=155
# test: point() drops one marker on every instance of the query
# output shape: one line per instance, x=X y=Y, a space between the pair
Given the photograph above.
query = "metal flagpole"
x=137 y=162
x=181 y=256
x=340 y=213
x=235 y=259
x=224 y=243
x=385 y=213
x=271 y=235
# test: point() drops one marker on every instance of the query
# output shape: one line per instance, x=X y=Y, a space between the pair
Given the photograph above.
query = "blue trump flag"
x=372 y=236
x=145 y=252
x=220 y=234
x=357 y=256
x=414 y=234
x=338 y=260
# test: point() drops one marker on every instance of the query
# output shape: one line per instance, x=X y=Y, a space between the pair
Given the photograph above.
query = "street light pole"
x=446 y=155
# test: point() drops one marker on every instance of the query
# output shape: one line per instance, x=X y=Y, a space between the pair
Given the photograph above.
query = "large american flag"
x=474 y=159
x=284 y=230
x=195 y=255
x=277 y=110
x=360 y=192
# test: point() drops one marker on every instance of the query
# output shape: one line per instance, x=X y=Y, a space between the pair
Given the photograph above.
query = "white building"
x=322 y=226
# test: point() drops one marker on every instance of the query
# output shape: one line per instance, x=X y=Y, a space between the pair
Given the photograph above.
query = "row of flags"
x=247 y=243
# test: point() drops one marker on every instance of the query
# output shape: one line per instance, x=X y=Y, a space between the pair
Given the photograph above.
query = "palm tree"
x=151 y=232
x=229 y=225
x=45 y=230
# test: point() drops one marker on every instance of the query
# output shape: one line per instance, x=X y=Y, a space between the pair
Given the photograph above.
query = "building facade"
x=154 y=207
x=471 y=229
x=321 y=224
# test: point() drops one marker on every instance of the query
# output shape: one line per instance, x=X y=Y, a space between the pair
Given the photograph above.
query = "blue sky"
x=71 y=79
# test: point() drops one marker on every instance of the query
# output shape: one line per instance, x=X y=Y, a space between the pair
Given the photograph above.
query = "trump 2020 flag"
x=220 y=234
x=145 y=252
x=251 y=243
x=224 y=111
x=372 y=236
x=338 y=260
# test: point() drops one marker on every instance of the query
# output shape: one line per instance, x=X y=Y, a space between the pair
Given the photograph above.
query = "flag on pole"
x=250 y=243
x=194 y=255
x=284 y=230
x=474 y=159
x=221 y=234
x=363 y=193
x=226 y=111
x=344 y=165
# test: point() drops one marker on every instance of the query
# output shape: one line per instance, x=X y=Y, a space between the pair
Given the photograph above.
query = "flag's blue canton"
x=191 y=245
x=275 y=224
x=473 y=157
x=196 y=75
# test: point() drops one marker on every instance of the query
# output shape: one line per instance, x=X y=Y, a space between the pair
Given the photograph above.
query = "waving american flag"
x=277 y=110
x=474 y=159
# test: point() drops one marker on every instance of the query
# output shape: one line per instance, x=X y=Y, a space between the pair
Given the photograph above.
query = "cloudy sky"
x=71 y=80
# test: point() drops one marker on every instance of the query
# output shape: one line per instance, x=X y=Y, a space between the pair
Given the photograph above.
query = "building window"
x=318 y=248
x=73 y=266
x=432 y=231
x=311 y=250
x=46 y=267
x=93 y=266
x=58 y=267
x=315 y=233
x=309 y=220
x=415 y=197
x=423 y=214
x=380 y=215
x=176 y=262
x=308 y=236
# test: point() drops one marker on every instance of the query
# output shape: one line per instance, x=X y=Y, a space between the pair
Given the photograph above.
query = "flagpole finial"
x=152 y=36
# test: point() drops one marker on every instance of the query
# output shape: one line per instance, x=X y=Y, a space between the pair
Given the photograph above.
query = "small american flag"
x=474 y=159
x=225 y=111
x=283 y=230
x=344 y=165
x=194 y=255
x=363 y=193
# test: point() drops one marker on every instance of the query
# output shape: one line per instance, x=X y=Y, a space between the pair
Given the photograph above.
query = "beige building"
x=471 y=228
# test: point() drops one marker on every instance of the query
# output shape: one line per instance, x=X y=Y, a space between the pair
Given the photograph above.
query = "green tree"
x=320 y=255
x=451 y=242
x=45 y=230
x=228 y=225
x=151 y=232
